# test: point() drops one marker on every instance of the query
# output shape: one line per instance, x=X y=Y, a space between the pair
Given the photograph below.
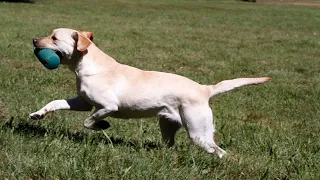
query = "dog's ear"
x=87 y=34
x=82 y=42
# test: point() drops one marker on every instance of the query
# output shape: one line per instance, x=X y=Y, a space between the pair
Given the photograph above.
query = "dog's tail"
x=228 y=85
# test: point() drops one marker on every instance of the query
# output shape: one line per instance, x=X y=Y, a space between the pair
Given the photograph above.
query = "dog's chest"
x=96 y=92
x=88 y=89
x=84 y=90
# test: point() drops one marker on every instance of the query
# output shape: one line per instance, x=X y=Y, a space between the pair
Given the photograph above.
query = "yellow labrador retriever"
x=121 y=91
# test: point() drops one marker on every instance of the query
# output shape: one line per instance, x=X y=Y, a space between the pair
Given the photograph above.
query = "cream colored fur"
x=121 y=91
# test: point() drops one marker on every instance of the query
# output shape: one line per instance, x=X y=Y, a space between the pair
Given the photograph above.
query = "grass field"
x=271 y=131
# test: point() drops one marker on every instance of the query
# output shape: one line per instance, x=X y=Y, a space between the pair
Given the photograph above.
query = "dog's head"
x=65 y=42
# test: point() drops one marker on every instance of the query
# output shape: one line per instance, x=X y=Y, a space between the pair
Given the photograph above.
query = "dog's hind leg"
x=169 y=129
x=198 y=122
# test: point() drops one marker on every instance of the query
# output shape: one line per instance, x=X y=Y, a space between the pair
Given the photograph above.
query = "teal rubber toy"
x=48 y=58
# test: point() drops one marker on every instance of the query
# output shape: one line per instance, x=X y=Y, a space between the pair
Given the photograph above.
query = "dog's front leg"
x=76 y=104
x=96 y=122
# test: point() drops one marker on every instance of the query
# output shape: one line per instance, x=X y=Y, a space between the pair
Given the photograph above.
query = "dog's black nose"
x=35 y=40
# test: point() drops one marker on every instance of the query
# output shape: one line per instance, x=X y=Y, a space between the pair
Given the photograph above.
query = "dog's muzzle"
x=35 y=40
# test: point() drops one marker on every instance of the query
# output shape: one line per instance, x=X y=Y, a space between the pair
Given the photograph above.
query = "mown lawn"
x=271 y=131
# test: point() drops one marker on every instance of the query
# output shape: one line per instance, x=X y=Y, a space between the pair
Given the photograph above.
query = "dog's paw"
x=36 y=116
x=96 y=125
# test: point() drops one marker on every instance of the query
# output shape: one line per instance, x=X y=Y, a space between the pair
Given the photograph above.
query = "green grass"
x=285 y=0
x=271 y=131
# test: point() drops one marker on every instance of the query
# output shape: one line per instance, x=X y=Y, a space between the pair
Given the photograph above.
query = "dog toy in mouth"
x=48 y=58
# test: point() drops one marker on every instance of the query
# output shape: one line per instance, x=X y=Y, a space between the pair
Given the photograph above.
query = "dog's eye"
x=54 y=38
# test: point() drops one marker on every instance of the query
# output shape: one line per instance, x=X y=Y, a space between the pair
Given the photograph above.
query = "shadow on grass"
x=34 y=130
x=18 y=1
